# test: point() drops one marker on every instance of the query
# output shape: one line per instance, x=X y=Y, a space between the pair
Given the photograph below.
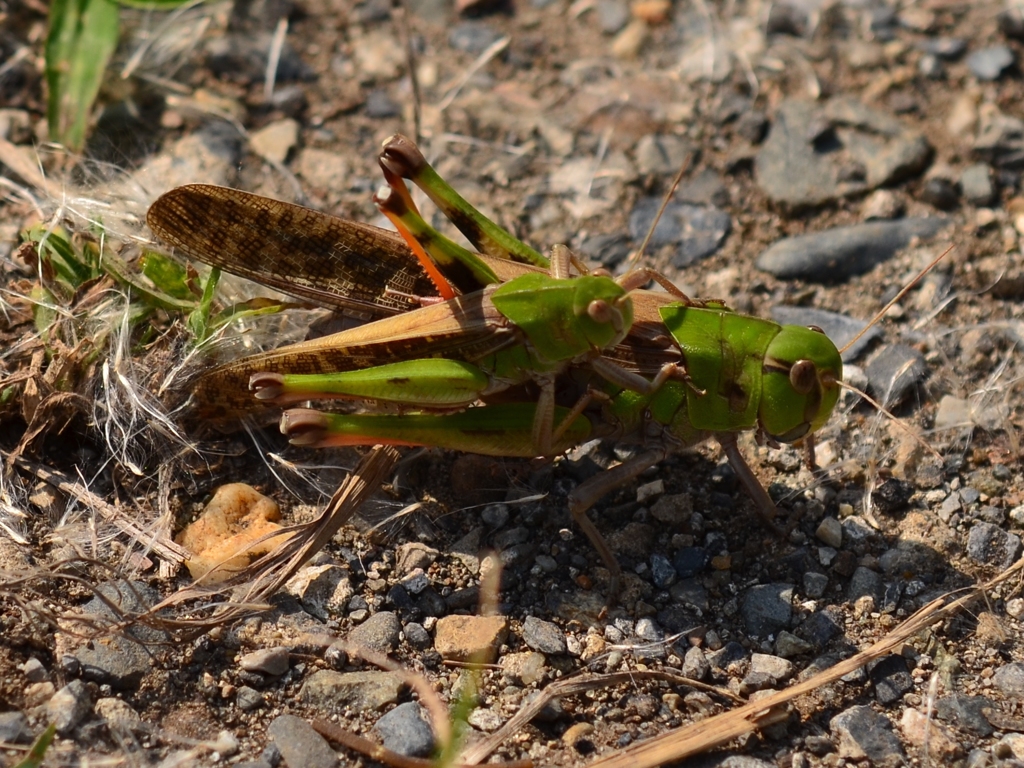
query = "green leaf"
x=82 y=37
x=167 y=274
x=38 y=751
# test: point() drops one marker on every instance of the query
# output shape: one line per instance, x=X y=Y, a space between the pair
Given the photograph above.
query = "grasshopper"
x=743 y=372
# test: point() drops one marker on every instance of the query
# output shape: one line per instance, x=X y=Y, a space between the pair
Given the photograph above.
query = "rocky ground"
x=838 y=148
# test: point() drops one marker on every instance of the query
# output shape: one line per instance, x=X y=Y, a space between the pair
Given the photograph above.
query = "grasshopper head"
x=604 y=310
x=800 y=386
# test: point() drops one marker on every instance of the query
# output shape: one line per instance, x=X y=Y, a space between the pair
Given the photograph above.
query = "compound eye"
x=803 y=376
x=600 y=311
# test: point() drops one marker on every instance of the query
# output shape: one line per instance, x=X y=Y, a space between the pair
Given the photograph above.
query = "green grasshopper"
x=744 y=373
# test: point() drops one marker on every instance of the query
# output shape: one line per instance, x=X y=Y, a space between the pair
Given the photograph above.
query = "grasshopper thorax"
x=800 y=385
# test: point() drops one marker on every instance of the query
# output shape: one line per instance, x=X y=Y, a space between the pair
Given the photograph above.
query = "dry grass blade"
x=252 y=586
x=157 y=542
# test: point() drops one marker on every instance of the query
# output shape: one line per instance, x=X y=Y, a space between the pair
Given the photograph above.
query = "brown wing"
x=332 y=261
x=466 y=328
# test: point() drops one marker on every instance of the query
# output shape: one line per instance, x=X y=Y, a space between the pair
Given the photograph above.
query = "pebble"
x=966 y=713
x=948 y=48
x=300 y=746
x=990 y=63
x=788 y=645
x=815 y=584
x=380 y=105
x=69 y=706
x=472 y=37
x=612 y=16
x=895 y=371
x=275 y=140
x=118 y=660
x=405 y=731
x=940 y=193
x=830 y=531
x=247 y=699
x=776 y=668
x=543 y=636
x=576 y=734
x=842 y=252
x=695 y=664
x=417 y=636
x=864 y=583
x=34 y=671
x=819 y=629
x=976 y=183
x=332 y=690
x=14 y=728
x=891 y=679
x=267 y=661
x=767 y=608
x=414 y=555
x=863 y=733
x=952 y=412
x=988 y=544
x=697 y=231
x=524 y=668
x=415 y=582
x=839 y=328
x=921 y=730
x=486 y=720
x=119 y=716
x=1009 y=679
x=663 y=573
x=470 y=638
x=322 y=590
x=892 y=495
x=881 y=204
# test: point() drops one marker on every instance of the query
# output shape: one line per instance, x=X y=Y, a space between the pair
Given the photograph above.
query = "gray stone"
x=966 y=713
x=248 y=699
x=328 y=689
x=648 y=630
x=14 y=728
x=416 y=636
x=34 y=671
x=788 y=645
x=815 y=584
x=543 y=636
x=842 y=252
x=895 y=371
x=989 y=544
x=300 y=745
x=612 y=15
x=948 y=48
x=976 y=183
x=697 y=231
x=865 y=583
x=405 y=731
x=776 y=668
x=266 y=661
x=380 y=105
x=119 y=660
x=990 y=63
x=414 y=555
x=1009 y=679
x=663 y=573
x=767 y=608
x=864 y=734
x=118 y=715
x=891 y=679
x=695 y=664
x=830 y=532
x=840 y=328
x=69 y=706
x=378 y=633
x=472 y=37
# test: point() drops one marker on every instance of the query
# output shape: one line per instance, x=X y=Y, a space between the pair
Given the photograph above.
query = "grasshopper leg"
x=766 y=508
x=590 y=491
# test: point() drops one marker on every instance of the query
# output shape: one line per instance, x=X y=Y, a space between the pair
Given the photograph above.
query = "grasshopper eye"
x=600 y=311
x=803 y=376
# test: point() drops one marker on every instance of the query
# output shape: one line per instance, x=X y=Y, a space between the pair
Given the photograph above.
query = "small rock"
x=330 y=690
x=830 y=531
x=415 y=582
x=865 y=583
x=300 y=746
x=380 y=105
x=892 y=495
x=575 y=735
x=612 y=16
x=976 y=183
x=881 y=204
x=14 y=728
x=275 y=141
x=414 y=555
x=247 y=699
x=989 y=544
x=673 y=510
x=940 y=193
x=698 y=231
x=953 y=412
x=695 y=664
x=663 y=573
x=470 y=638
x=921 y=730
x=788 y=645
x=322 y=590
x=34 y=671
x=864 y=734
x=543 y=636
x=990 y=63
x=69 y=706
x=119 y=716
x=776 y=668
x=895 y=371
x=472 y=37
x=267 y=661
x=405 y=731
x=891 y=679
x=417 y=636
x=843 y=252
x=767 y=608
x=486 y=720
x=322 y=169
x=524 y=668
x=815 y=584
x=1009 y=679
x=966 y=713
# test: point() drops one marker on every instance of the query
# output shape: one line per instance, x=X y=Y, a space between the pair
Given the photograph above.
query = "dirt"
x=562 y=91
